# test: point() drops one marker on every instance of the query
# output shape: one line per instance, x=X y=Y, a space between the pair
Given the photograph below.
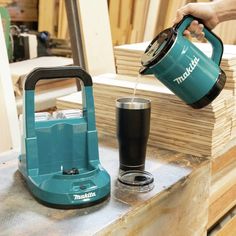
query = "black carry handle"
x=61 y=72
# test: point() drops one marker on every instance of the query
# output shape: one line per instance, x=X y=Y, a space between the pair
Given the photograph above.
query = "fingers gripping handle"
x=214 y=40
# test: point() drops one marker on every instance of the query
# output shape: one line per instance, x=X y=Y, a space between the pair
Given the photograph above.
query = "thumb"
x=179 y=16
x=183 y=11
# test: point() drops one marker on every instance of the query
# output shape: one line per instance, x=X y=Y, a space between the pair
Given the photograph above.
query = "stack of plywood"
x=209 y=136
x=175 y=126
x=47 y=93
x=22 y=68
x=223 y=186
x=226 y=226
x=128 y=60
x=228 y=65
x=223 y=183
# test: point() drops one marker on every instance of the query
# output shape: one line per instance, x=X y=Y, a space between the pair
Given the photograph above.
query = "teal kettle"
x=191 y=75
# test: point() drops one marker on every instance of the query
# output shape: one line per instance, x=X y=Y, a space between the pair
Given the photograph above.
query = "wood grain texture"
x=223 y=187
x=172 y=8
x=229 y=229
x=160 y=16
x=62 y=32
x=46 y=19
x=114 y=17
x=96 y=36
x=181 y=191
x=178 y=207
x=221 y=206
x=152 y=20
x=223 y=160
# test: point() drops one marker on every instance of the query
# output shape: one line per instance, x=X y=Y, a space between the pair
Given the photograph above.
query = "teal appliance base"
x=59 y=156
x=63 y=191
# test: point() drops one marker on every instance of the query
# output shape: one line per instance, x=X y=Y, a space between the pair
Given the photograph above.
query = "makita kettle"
x=183 y=68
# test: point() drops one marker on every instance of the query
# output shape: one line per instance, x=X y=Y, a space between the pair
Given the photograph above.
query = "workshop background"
x=37 y=33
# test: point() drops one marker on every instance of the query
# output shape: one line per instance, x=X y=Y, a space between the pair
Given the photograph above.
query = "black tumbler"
x=133 y=125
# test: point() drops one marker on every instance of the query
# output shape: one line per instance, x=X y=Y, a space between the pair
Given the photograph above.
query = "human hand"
x=204 y=11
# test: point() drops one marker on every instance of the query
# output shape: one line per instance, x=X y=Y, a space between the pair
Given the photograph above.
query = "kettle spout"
x=145 y=71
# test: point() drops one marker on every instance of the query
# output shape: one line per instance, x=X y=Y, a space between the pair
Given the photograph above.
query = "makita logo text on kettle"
x=188 y=70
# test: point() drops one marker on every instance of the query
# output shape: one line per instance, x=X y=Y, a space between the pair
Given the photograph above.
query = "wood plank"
x=22 y=68
x=21 y=11
x=224 y=160
x=5 y=2
x=114 y=16
x=158 y=213
x=229 y=229
x=168 y=209
x=46 y=94
x=152 y=19
x=225 y=31
x=221 y=206
x=10 y=133
x=124 y=23
x=139 y=20
x=62 y=32
x=222 y=181
x=96 y=36
x=173 y=6
x=46 y=19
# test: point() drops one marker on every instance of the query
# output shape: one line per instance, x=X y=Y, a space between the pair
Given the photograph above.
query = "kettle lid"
x=158 y=47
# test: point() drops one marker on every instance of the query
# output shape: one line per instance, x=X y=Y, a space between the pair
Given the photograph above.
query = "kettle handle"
x=214 y=40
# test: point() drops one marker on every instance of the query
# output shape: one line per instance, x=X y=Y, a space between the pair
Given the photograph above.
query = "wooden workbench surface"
x=176 y=206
